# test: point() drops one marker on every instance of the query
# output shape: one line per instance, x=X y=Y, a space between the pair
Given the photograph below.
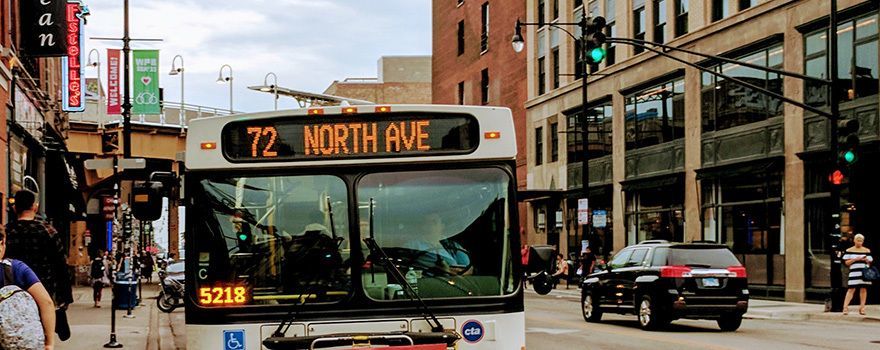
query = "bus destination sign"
x=347 y=136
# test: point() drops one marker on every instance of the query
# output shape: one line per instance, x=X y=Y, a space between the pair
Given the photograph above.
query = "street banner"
x=114 y=101
x=43 y=26
x=72 y=78
x=146 y=82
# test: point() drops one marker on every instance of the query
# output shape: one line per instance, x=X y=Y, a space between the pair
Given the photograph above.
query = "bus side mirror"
x=146 y=204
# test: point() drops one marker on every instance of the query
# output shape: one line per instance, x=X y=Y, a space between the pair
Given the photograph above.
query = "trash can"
x=125 y=292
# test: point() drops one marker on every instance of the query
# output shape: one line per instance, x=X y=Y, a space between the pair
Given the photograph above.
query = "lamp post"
x=221 y=79
x=175 y=70
x=97 y=65
x=274 y=87
x=518 y=44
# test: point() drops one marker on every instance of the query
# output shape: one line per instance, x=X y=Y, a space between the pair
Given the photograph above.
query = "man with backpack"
x=37 y=244
x=99 y=275
x=27 y=314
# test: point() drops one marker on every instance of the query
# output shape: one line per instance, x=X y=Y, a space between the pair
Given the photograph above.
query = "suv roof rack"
x=654 y=241
x=704 y=241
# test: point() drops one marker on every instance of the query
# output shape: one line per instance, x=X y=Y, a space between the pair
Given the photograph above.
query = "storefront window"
x=655 y=115
x=857 y=67
x=727 y=104
x=745 y=213
x=655 y=213
x=598 y=133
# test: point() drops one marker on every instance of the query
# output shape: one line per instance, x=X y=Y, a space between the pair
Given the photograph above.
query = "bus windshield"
x=447 y=230
x=280 y=239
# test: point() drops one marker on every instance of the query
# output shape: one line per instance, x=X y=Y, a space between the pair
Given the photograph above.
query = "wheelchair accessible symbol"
x=233 y=339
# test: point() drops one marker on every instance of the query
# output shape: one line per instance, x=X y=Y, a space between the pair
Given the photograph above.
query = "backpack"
x=20 y=326
x=97 y=269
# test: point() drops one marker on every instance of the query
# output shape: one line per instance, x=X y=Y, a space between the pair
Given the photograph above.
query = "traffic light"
x=146 y=201
x=848 y=144
x=594 y=37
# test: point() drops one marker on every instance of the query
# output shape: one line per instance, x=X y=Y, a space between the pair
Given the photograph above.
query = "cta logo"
x=472 y=331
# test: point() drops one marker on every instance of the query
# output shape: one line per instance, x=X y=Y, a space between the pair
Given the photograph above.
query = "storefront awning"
x=652 y=182
x=738 y=169
x=537 y=195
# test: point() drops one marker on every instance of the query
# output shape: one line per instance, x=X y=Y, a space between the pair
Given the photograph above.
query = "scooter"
x=172 y=292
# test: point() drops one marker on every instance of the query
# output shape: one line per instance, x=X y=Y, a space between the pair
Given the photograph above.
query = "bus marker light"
x=209 y=145
x=492 y=135
x=316 y=111
x=349 y=110
x=383 y=109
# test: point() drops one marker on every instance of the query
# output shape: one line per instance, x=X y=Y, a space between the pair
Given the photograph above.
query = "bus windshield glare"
x=286 y=239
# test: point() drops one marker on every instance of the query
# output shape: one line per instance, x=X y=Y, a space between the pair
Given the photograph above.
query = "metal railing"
x=96 y=113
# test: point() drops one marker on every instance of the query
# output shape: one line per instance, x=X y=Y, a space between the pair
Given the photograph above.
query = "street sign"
x=583 y=211
x=95 y=164
x=132 y=163
x=600 y=218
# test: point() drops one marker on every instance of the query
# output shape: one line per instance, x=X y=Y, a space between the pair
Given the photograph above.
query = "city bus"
x=337 y=227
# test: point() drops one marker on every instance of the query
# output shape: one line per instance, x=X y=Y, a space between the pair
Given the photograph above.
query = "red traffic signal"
x=836 y=177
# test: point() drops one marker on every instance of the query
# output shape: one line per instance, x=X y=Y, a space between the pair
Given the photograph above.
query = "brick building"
x=473 y=63
x=677 y=154
x=401 y=79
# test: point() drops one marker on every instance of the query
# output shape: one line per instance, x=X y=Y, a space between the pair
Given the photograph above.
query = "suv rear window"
x=710 y=257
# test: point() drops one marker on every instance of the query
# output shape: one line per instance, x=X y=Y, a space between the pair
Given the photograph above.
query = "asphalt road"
x=554 y=323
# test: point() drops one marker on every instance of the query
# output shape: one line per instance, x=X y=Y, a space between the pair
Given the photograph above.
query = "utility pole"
x=835 y=235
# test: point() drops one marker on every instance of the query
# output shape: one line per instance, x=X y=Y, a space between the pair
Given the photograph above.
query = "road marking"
x=551 y=331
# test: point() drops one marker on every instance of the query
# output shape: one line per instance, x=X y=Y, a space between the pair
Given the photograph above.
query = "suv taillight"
x=675 y=271
x=738 y=271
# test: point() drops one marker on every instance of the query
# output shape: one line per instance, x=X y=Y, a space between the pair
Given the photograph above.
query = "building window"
x=611 y=31
x=461 y=92
x=459 y=2
x=681 y=17
x=541 y=15
x=577 y=3
x=539 y=145
x=554 y=11
x=639 y=23
x=484 y=29
x=460 y=38
x=857 y=69
x=577 y=16
x=744 y=212
x=659 y=21
x=554 y=142
x=720 y=9
x=655 y=213
x=542 y=76
x=554 y=61
x=726 y=104
x=655 y=115
x=598 y=133
x=744 y=4
x=484 y=86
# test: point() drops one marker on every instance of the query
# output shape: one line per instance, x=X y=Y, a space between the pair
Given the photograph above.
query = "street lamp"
x=274 y=87
x=592 y=52
x=175 y=70
x=221 y=79
x=97 y=65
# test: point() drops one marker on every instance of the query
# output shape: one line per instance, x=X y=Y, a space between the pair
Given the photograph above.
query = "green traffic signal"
x=849 y=156
x=242 y=237
x=597 y=55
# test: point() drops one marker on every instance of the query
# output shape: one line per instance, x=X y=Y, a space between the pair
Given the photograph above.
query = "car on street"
x=660 y=282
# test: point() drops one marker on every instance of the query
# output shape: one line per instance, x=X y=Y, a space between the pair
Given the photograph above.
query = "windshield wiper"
x=385 y=261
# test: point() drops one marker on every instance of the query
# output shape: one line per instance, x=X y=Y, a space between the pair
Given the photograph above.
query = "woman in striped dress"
x=858 y=258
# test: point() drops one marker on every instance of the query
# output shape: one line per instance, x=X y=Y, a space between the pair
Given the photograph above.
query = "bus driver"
x=437 y=251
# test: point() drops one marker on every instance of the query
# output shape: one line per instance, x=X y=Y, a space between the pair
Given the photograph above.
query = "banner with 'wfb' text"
x=145 y=99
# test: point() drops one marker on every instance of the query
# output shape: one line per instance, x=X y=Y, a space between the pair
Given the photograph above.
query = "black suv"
x=661 y=282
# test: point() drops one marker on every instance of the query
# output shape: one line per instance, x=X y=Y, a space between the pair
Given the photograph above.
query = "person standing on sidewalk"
x=37 y=244
x=147 y=265
x=858 y=258
x=100 y=276
x=23 y=277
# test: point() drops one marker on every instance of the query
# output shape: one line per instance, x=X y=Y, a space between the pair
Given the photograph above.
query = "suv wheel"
x=590 y=308
x=649 y=317
x=730 y=322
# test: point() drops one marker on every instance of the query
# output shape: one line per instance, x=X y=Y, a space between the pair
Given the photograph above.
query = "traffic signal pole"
x=834 y=145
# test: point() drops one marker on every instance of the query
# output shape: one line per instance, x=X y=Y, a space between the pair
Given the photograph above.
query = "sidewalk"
x=770 y=309
x=150 y=329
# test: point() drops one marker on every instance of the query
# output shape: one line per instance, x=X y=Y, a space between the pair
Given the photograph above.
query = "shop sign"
x=72 y=80
x=114 y=102
x=146 y=82
x=43 y=28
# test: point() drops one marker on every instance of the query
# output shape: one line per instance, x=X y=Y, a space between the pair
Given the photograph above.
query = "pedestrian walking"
x=37 y=244
x=859 y=259
x=588 y=263
x=147 y=265
x=99 y=273
x=24 y=325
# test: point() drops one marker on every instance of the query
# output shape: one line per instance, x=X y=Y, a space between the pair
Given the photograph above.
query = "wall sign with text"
x=72 y=79
x=340 y=137
x=43 y=27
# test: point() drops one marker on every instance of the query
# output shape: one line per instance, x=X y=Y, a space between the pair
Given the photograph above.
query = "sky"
x=307 y=43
